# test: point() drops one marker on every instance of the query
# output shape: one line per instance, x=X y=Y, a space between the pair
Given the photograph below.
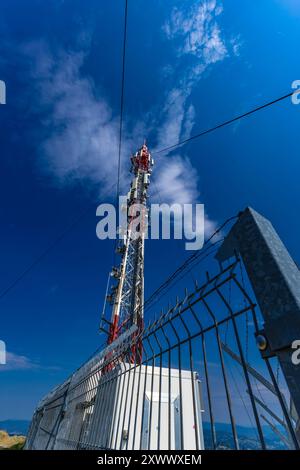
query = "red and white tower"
x=127 y=293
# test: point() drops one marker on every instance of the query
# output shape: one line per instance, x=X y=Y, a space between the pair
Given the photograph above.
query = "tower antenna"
x=127 y=294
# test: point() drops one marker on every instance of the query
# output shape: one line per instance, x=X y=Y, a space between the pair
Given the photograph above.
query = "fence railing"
x=202 y=383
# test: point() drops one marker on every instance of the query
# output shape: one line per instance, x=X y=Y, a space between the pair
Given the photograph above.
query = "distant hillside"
x=248 y=438
x=15 y=426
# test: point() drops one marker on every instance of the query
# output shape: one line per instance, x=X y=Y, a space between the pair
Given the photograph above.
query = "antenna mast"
x=127 y=293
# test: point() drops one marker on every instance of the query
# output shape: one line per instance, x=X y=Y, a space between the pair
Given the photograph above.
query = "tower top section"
x=142 y=160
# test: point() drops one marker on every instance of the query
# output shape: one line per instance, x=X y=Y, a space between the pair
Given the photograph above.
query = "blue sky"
x=190 y=65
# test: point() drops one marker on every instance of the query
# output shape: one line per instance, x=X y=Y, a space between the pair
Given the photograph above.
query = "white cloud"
x=195 y=32
x=188 y=122
x=83 y=135
x=176 y=181
x=198 y=31
x=18 y=362
x=236 y=45
x=82 y=139
x=174 y=118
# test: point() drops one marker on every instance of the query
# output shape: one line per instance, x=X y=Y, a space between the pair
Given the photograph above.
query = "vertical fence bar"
x=131 y=400
x=238 y=341
x=180 y=385
x=117 y=381
x=138 y=394
x=159 y=391
x=124 y=410
x=143 y=405
x=207 y=381
x=169 y=387
x=151 y=401
x=283 y=406
x=122 y=375
x=228 y=397
x=192 y=382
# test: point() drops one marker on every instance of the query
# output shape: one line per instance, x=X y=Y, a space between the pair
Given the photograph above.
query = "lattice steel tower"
x=127 y=294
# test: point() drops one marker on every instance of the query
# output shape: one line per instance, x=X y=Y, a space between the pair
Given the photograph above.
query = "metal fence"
x=202 y=383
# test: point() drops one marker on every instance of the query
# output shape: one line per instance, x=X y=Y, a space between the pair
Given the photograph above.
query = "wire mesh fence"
x=202 y=383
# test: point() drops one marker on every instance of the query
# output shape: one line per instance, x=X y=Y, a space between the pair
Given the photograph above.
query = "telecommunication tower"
x=126 y=295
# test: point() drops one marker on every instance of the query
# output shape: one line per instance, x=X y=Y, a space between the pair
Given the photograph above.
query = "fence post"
x=275 y=279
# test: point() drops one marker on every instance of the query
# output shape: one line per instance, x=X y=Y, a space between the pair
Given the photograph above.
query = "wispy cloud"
x=82 y=133
x=18 y=362
x=176 y=181
x=195 y=34
x=198 y=31
x=81 y=140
